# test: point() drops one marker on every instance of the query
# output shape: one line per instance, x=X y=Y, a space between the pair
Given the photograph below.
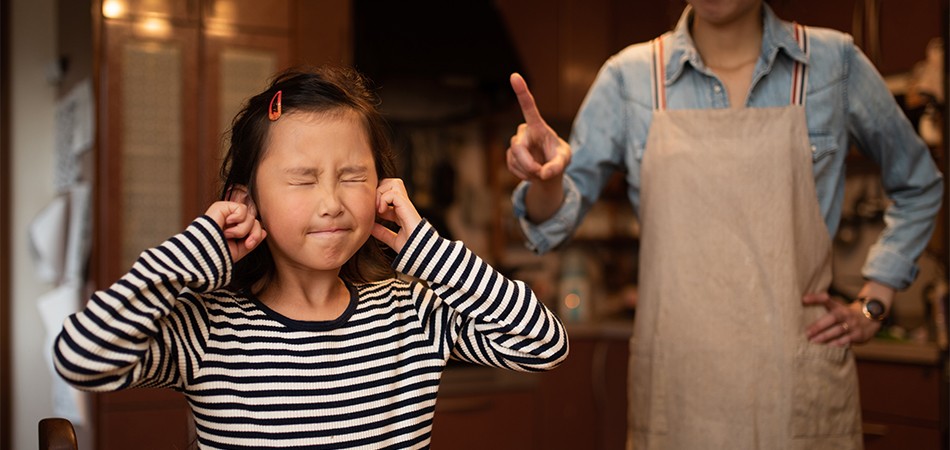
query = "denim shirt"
x=847 y=103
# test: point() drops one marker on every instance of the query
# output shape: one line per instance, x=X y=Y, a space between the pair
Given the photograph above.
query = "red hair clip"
x=273 y=111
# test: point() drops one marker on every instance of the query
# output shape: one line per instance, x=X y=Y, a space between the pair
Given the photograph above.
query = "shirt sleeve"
x=544 y=237
x=137 y=333
x=908 y=173
x=484 y=317
x=599 y=145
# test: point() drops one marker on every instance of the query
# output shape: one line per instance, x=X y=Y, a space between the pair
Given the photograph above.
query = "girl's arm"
x=478 y=314
x=150 y=323
x=481 y=316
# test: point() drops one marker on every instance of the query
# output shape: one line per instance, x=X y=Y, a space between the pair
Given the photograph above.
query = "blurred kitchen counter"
x=884 y=350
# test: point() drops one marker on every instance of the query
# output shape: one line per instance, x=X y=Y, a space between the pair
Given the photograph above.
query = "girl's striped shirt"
x=258 y=380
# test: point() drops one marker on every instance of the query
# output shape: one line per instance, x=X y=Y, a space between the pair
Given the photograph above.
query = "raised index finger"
x=528 y=108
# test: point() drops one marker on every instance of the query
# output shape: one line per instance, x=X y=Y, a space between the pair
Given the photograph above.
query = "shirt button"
x=814 y=149
x=717 y=88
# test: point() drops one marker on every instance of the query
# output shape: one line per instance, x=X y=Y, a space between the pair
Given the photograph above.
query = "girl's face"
x=724 y=12
x=316 y=190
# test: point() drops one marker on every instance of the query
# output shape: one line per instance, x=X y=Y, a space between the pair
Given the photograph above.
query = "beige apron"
x=731 y=239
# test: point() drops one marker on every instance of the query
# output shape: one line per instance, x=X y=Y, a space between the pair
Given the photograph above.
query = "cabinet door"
x=271 y=15
x=615 y=363
x=237 y=65
x=841 y=15
x=903 y=31
x=563 y=44
x=148 y=139
x=533 y=26
x=583 y=403
x=493 y=420
x=148 y=136
x=567 y=409
x=324 y=32
x=902 y=405
x=143 y=418
x=893 y=33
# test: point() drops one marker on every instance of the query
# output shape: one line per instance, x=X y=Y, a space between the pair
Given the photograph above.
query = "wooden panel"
x=324 y=32
x=533 y=26
x=147 y=419
x=901 y=390
x=841 y=15
x=583 y=403
x=272 y=14
x=614 y=418
x=111 y=193
x=905 y=29
x=177 y=10
x=567 y=407
x=631 y=23
x=887 y=436
x=152 y=145
x=584 y=45
x=225 y=91
x=499 y=421
x=116 y=413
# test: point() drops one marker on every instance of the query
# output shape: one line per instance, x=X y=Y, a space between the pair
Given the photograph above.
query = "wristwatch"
x=873 y=308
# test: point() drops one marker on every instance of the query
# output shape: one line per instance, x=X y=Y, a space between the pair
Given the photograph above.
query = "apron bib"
x=731 y=239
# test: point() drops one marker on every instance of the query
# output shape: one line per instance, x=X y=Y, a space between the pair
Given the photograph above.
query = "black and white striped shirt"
x=259 y=380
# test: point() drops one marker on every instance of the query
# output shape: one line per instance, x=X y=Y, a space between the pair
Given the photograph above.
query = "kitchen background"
x=167 y=76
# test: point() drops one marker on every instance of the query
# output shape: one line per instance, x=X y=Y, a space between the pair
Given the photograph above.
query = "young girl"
x=309 y=340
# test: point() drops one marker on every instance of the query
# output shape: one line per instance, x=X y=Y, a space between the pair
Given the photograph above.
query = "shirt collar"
x=776 y=35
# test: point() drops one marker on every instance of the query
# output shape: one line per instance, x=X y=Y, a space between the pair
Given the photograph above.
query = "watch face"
x=874 y=309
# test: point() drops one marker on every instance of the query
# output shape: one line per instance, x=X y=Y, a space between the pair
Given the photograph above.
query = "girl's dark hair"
x=327 y=90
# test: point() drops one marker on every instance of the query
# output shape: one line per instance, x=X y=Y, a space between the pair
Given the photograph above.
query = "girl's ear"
x=238 y=193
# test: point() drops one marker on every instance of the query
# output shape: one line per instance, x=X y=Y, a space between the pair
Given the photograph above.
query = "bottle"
x=574 y=299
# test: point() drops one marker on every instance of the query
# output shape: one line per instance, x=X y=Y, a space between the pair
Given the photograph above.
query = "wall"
x=32 y=47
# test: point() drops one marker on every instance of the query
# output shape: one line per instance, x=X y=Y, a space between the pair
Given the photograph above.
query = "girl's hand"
x=392 y=204
x=842 y=325
x=241 y=228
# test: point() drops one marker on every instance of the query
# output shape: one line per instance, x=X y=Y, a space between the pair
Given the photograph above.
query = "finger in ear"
x=239 y=193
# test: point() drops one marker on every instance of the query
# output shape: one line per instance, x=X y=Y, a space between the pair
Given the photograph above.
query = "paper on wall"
x=47 y=239
x=79 y=234
x=55 y=306
x=75 y=131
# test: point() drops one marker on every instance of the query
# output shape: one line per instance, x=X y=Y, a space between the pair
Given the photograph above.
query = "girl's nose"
x=329 y=203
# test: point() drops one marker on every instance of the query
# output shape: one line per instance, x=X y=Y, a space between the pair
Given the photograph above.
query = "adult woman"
x=738 y=183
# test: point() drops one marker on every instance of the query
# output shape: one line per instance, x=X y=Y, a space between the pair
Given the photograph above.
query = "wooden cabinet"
x=142 y=419
x=903 y=396
x=147 y=174
x=499 y=420
x=580 y=405
x=893 y=33
x=563 y=44
x=583 y=403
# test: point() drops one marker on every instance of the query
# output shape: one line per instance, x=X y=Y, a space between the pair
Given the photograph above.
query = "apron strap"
x=659 y=75
x=800 y=71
